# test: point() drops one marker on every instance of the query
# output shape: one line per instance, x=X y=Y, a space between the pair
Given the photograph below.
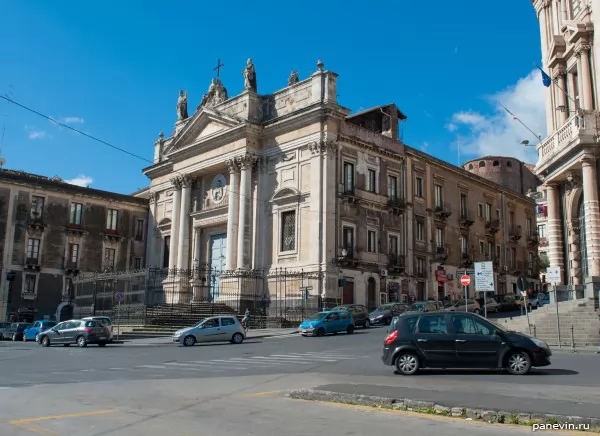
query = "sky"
x=114 y=69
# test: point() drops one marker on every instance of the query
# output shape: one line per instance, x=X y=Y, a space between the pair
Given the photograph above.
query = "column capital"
x=323 y=147
x=232 y=165
x=582 y=48
x=559 y=73
x=152 y=197
x=588 y=159
x=176 y=182
x=187 y=181
x=551 y=186
x=246 y=160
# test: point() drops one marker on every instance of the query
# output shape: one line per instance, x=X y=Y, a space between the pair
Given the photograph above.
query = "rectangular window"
x=498 y=252
x=37 y=208
x=393 y=187
x=166 y=249
x=439 y=237
x=348 y=239
x=348 y=177
x=464 y=245
x=33 y=249
x=420 y=266
x=372 y=241
x=419 y=187
x=420 y=231
x=480 y=210
x=111 y=219
x=541 y=228
x=371 y=181
x=439 y=196
x=464 y=206
x=137 y=263
x=511 y=218
x=109 y=257
x=481 y=247
x=513 y=257
x=30 y=280
x=490 y=250
x=488 y=212
x=73 y=253
x=139 y=229
x=76 y=212
x=529 y=226
x=393 y=244
x=288 y=231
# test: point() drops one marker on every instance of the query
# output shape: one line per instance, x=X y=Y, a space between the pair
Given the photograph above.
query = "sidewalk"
x=252 y=334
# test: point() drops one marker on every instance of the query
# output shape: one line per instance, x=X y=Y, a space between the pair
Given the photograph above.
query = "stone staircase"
x=579 y=323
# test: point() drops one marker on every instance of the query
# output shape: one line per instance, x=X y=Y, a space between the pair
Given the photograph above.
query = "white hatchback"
x=220 y=328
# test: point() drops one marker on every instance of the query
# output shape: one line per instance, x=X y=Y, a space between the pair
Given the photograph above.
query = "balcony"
x=112 y=235
x=466 y=259
x=71 y=268
x=579 y=130
x=347 y=193
x=396 y=204
x=396 y=261
x=75 y=229
x=209 y=204
x=421 y=274
x=442 y=211
x=492 y=226
x=532 y=269
x=515 y=233
x=543 y=242
x=441 y=253
x=466 y=219
x=517 y=268
x=36 y=224
x=32 y=263
x=533 y=239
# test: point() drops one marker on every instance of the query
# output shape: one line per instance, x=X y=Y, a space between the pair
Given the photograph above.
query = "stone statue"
x=293 y=79
x=249 y=76
x=182 y=111
x=216 y=94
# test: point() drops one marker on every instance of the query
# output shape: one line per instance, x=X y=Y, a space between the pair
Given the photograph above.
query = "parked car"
x=543 y=299
x=360 y=314
x=3 y=327
x=31 y=332
x=424 y=306
x=508 y=303
x=220 y=328
x=75 y=331
x=471 y=306
x=15 y=331
x=491 y=304
x=459 y=340
x=105 y=321
x=331 y=321
x=384 y=313
x=532 y=303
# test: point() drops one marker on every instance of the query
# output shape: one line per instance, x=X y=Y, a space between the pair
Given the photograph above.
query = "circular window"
x=470 y=166
x=509 y=164
x=481 y=164
x=496 y=163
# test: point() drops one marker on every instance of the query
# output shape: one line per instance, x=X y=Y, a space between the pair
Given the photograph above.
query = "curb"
x=430 y=408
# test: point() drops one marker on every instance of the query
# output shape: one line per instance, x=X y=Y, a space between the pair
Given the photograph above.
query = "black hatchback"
x=459 y=340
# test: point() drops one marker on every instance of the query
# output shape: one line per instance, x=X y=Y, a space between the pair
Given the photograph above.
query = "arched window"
x=582 y=244
x=496 y=163
x=509 y=164
x=481 y=164
x=470 y=166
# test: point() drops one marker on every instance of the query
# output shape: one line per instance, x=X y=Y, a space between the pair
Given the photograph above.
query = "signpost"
x=484 y=280
x=553 y=276
x=523 y=286
x=465 y=280
x=120 y=297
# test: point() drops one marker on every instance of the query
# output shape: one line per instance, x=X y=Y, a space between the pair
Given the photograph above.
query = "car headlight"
x=540 y=344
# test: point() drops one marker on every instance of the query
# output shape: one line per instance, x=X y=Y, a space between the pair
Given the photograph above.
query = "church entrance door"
x=218 y=257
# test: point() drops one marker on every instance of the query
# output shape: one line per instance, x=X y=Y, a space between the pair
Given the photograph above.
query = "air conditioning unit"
x=383 y=273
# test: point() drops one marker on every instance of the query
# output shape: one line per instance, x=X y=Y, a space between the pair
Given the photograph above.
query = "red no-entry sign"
x=465 y=280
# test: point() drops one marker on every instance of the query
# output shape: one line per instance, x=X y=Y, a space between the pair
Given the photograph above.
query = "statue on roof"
x=249 y=76
x=216 y=94
x=293 y=79
x=182 y=111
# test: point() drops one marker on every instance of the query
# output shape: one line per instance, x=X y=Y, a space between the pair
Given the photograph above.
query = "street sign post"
x=465 y=280
x=120 y=297
x=523 y=286
x=553 y=276
x=484 y=280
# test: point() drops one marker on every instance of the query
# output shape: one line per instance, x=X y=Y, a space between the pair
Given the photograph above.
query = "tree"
x=544 y=262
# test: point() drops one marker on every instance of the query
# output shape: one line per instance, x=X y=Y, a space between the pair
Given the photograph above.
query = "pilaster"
x=573 y=232
x=553 y=224
x=176 y=182
x=151 y=252
x=584 y=75
x=245 y=163
x=232 y=213
x=560 y=88
x=184 y=224
x=592 y=215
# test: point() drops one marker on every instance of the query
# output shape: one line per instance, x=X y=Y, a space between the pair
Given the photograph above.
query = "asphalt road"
x=130 y=385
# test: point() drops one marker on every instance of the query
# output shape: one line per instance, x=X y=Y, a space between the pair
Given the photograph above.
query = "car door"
x=477 y=344
x=434 y=341
x=210 y=332
x=56 y=333
x=331 y=321
x=70 y=332
x=228 y=327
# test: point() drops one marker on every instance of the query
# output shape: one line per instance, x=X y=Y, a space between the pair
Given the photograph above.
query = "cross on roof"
x=218 y=68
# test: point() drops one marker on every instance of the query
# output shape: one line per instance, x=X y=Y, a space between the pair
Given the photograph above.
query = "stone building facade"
x=568 y=156
x=50 y=231
x=506 y=171
x=292 y=180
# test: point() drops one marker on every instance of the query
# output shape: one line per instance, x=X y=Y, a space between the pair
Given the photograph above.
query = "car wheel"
x=320 y=332
x=476 y=311
x=24 y=338
x=102 y=344
x=518 y=362
x=81 y=342
x=188 y=341
x=237 y=338
x=350 y=329
x=45 y=341
x=407 y=363
x=367 y=324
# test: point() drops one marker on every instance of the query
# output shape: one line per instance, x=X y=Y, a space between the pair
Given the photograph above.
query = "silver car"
x=105 y=321
x=214 y=329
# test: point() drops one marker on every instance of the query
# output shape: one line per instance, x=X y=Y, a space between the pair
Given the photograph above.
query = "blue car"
x=332 y=321
x=31 y=333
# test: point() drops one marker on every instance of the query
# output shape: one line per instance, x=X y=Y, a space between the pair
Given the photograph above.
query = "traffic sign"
x=522 y=284
x=484 y=277
x=465 y=280
x=553 y=275
x=120 y=297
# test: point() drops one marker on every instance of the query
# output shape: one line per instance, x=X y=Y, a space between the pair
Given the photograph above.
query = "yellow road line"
x=71 y=415
x=264 y=394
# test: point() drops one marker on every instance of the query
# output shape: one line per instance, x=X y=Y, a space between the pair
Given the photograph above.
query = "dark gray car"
x=360 y=314
x=75 y=331
x=384 y=313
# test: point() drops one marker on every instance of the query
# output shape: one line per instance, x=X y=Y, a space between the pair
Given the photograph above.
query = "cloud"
x=80 y=180
x=425 y=146
x=499 y=133
x=36 y=134
x=73 y=120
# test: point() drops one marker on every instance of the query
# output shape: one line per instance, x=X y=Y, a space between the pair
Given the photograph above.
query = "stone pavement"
x=252 y=334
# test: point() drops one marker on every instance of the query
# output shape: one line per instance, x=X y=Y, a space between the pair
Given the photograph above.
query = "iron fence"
x=162 y=297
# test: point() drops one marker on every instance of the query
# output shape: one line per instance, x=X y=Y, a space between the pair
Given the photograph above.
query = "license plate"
x=102 y=337
x=303 y=330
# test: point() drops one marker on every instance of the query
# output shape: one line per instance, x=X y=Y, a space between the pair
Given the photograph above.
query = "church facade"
x=259 y=184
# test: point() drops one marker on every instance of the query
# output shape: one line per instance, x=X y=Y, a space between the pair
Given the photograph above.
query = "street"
x=235 y=388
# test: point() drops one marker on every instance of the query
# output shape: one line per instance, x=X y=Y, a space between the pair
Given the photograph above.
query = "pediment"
x=165 y=222
x=205 y=122
x=286 y=193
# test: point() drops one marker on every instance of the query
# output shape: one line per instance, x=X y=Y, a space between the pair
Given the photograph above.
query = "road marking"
x=302 y=357
x=53 y=417
x=196 y=367
x=282 y=359
x=247 y=360
x=264 y=394
x=152 y=366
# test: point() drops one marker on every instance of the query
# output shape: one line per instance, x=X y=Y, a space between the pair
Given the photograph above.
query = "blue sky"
x=113 y=69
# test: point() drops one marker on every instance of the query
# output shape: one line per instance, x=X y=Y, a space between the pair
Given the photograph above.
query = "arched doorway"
x=371 y=294
x=582 y=241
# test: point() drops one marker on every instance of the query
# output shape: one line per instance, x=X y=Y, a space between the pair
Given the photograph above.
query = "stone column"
x=175 y=222
x=560 y=88
x=150 y=260
x=592 y=215
x=232 y=214
x=584 y=76
x=197 y=250
x=574 y=252
x=184 y=224
x=317 y=149
x=245 y=162
x=571 y=87
x=555 y=252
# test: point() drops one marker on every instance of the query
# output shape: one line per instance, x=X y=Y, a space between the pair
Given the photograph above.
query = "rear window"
x=409 y=321
x=227 y=321
x=93 y=324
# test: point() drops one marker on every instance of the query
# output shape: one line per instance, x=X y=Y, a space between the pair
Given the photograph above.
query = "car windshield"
x=496 y=325
x=418 y=307
x=384 y=307
x=317 y=316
